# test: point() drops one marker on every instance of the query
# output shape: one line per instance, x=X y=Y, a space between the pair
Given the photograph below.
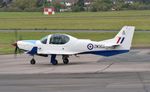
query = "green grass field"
x=7 y=38
x=113 y=20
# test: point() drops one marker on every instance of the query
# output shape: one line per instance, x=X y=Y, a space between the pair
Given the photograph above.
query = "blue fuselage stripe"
x=106 y=52
x=33 y=51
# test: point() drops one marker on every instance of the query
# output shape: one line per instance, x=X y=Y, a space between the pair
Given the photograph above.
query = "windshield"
x=44 y=40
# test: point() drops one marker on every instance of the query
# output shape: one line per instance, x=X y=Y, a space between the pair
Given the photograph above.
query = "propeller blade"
x=16 y=49
x=17 y=37
x=19 y=51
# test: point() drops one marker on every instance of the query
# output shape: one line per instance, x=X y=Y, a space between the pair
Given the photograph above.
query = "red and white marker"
x=49 y=11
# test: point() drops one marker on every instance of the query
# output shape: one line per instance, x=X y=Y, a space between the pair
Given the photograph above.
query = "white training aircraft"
x=66 y=45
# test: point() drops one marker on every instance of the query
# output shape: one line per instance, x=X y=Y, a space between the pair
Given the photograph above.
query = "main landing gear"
x=53 y=60
x=65 y=59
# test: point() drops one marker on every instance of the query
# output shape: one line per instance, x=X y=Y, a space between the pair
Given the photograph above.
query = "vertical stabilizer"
x=124 y=37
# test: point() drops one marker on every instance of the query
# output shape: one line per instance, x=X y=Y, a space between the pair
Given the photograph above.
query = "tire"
x=66 y=61
x=32 y=62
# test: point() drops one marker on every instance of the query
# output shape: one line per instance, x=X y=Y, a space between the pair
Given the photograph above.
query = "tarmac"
x=86 y=73
x=136 y=60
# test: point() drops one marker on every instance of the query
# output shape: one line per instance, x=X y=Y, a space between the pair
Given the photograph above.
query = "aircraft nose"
x=26 y=45
x=14 y=44
x=16 y=48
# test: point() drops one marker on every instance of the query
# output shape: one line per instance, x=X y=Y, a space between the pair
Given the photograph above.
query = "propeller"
x=17 y=50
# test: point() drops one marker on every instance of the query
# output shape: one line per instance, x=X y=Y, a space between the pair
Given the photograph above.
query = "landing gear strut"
x=65 y=59
x=53 y=60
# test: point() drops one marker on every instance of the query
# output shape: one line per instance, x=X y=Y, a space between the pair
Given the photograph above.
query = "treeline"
x=108 y=5
x=105 y=5
x=20 y=5
x=80 y=5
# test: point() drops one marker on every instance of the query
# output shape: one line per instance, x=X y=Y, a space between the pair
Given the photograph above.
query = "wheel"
x=66 y=61
x=32 y=62
x=55 y=62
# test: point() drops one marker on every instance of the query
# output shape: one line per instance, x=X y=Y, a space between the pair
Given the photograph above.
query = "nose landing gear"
x=32 y=62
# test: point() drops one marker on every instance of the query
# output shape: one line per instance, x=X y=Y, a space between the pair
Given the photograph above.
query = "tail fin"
x=124 y=37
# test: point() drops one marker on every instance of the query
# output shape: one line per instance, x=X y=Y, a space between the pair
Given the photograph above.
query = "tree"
x=118 y=4
x=24 y=4
x=57 y=6
x=80 y=3
x=142 y=1
x=102 y=5
x=39 y=3
x=79 y=6
x=4 y=3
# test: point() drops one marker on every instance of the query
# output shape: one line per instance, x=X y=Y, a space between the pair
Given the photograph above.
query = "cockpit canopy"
x=56 y=39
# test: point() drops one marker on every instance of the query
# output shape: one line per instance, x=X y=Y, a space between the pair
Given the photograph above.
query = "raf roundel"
x=90 y=46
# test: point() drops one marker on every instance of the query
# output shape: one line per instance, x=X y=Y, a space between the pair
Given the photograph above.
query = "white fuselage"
x=63 y=44
x=73 y=46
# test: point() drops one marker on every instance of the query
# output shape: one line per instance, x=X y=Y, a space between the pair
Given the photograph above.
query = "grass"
x=113 y=20
x=7 y=38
